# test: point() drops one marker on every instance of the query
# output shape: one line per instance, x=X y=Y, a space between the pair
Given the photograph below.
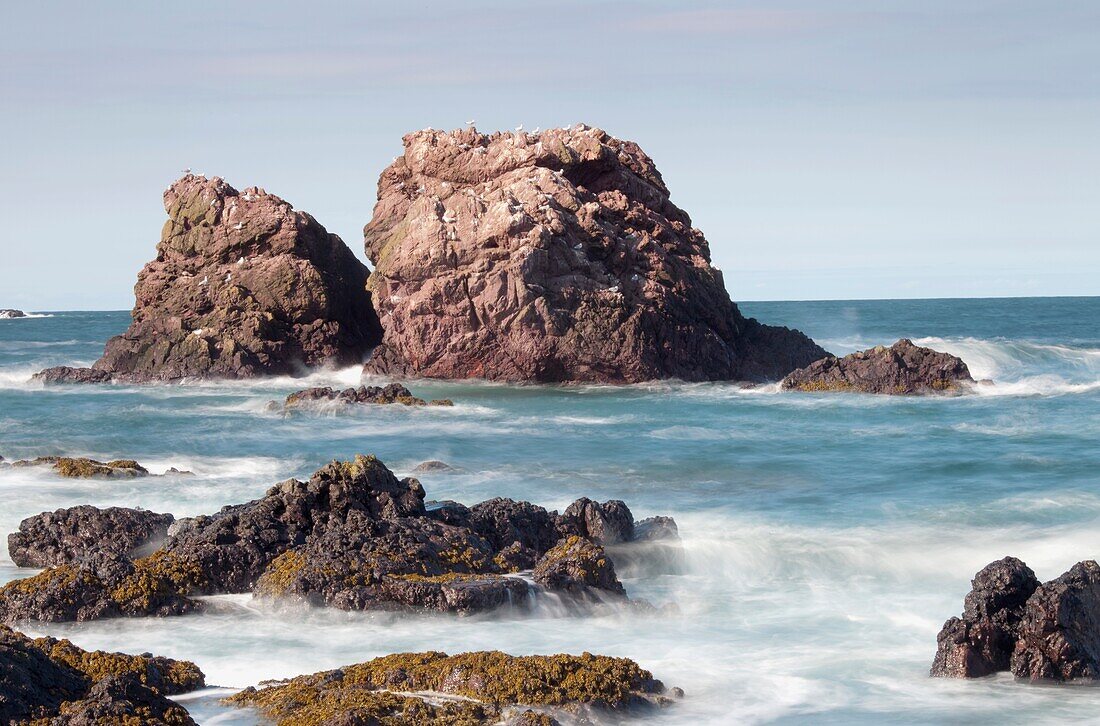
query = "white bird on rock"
x=240 y=261
x=519 y=128
x=240 y=225
x=471 y=123
x=187 y=170
x=228 y=276
x=204 y=280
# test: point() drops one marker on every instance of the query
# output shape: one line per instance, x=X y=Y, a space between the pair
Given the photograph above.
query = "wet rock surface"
x=491 y=688
x=53 y=681
x=353 y=537
x=389 y=394
x=243 y=285
x=9 y=313
x=901 y=369
x=66 y=535
x=1046 y=632
x=552 y=257
x=981 y=641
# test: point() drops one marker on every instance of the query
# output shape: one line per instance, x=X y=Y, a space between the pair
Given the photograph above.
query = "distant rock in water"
x=9 y=313
x=66 y=535
x=1040 y=632
x=243 y=285
x=392 y=393
x=83 y=468
x=432 y=465
x=901 y=369
x=48 y=681
x=468 y=688
x=552 y=257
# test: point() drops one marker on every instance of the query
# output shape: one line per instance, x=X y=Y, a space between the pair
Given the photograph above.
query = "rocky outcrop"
x=69 y=374
x=1059 y=633
x=53 y=681
x=66 y=535
x=551 y=257
x=901 y=369
x=1041 y=632
x=579 y=567
x=84 y=468
x=243 y=285
x=982 y=640
x=353 y=537
x=390 y=394
x=9 y=313
x=485 y=688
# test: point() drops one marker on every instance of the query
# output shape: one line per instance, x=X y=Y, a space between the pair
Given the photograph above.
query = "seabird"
x=471 y=122
x=240 y=261
x=204 y=280
x=228 y=276
x=187 y=170
x=240 y=225
x=519 y=128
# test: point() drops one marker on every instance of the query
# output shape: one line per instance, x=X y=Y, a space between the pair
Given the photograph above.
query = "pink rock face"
x=552 y=257
x=242 y=285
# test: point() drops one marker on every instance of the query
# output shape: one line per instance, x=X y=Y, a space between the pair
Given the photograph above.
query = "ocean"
x=827 y=536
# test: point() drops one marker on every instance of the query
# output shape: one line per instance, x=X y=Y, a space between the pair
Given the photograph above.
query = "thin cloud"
x=716 y=21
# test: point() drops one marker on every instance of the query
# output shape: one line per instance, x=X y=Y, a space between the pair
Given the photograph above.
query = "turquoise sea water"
x=828 y=536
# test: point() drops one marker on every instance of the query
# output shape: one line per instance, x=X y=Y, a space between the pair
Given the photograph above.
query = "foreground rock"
x=484 y=688
x=53 y=681
x=242 y=286
x=390 y=394
x=552 y=257
x=353 y=537
x=9 y=313
x=982 y=640
x=1041 y=632
x=67 y=535
x=901 y=369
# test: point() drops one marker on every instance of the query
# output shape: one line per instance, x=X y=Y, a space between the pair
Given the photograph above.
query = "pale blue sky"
x=852 y=149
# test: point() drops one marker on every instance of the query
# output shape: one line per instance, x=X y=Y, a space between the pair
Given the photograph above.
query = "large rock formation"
x=901 y=369
x=353 y=536
x=555 y=256
x=242 y=285
x=9 y=313
x=476 y=688
x=1041 y=632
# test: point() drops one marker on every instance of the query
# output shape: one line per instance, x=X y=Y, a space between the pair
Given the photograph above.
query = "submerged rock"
x=9 y=313
x=1041 y=632
x=53 y=681
x=486 y=688
x=392 y=393
x=66 y=535
x=432 y=465
x=981 y=641
x=552 y=257
x=69 y=374
x=242 y=286
x=901 y=369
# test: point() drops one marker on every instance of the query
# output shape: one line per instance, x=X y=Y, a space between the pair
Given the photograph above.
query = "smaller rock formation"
x=52 y=681
x=1059 y=633
x=901 y=369
x=242 y=286
x=393 y=393
x=608 y=523
x=66 y=535
x=1041 y=632
x=579 y=567
x=9 y=313
x=484 y=688
x=981 y=641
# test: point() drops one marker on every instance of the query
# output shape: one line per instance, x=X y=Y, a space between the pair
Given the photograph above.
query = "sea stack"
x=552 y=257
x=243 y=285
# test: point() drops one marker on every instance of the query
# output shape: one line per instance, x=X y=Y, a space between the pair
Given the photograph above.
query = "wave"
x=31 y=316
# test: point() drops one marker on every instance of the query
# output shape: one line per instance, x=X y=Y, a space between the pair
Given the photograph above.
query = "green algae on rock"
x=491 y=685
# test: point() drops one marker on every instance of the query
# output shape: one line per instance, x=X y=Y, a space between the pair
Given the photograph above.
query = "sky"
x=828 y=149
